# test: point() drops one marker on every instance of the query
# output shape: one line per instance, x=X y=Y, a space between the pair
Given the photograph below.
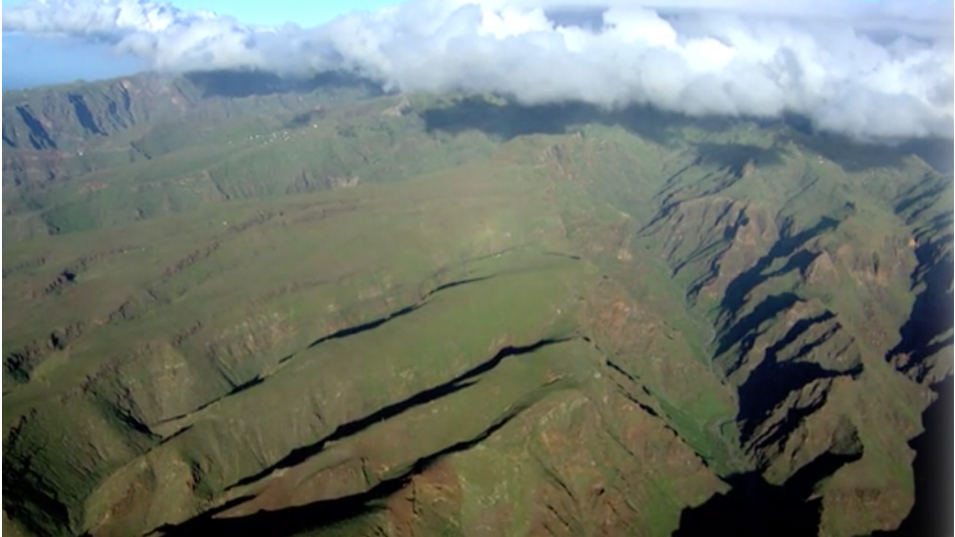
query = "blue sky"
x=32 y=61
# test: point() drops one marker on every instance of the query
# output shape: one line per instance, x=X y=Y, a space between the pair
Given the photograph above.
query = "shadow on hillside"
x=284 y=522
x=755 y=508
x=304 y=119
x=461 y=382
x=772 y=381
x=736 y=328
x=853 y=156
x=937 y=153
x=931 y=514
x=237 y=84
x=736 y=157
x=924 y=333
x=849 y=156
x=507 y=121
x=296 y=520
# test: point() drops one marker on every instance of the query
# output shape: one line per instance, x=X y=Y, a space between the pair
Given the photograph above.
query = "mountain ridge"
x=372 y=282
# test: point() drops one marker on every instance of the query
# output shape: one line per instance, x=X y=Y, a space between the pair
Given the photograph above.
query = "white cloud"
x=866 y=69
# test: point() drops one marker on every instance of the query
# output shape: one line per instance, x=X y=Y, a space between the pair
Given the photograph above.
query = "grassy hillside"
x=307 y=309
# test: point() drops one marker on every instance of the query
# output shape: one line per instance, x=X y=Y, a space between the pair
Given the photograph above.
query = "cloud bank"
x=866 y=69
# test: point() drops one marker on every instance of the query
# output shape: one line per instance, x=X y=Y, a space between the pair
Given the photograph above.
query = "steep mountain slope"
x=65 y=131
x=306 y=309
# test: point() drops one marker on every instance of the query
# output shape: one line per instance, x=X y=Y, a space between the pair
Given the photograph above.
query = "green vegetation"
x=448 y=315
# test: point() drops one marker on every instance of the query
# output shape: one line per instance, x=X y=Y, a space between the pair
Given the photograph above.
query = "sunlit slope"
x=219 y=344
x=453 y=315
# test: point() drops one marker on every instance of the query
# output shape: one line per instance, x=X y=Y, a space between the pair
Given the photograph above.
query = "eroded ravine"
x=555 y=333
